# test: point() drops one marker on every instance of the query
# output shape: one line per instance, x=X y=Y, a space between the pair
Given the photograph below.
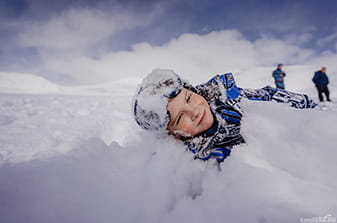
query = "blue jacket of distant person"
x=224 y=98
x=321 y=79
x=279 y=75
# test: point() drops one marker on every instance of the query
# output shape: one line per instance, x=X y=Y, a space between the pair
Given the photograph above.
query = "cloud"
x=327 y=59
x=189 y=54
x=327 y=39
x=272 y=51
x=332 y=37
x=75 y=29
x=76 y=43
x=299 y=39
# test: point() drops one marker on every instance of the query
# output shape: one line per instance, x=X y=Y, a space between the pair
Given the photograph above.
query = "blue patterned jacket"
x=224 y=98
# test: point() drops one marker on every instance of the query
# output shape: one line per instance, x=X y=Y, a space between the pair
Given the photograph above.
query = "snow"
x=25 y=83
x=152 y=97
x=17 y=82
x=75 y=154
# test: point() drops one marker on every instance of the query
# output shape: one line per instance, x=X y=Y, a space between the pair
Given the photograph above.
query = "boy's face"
x=190 y=114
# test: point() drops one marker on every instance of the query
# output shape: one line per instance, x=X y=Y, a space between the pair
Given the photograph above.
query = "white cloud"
x=75 y=29
x=327 y=39
x=190 y=55
x=327 y=59
x=298 y=39
x=273 y=51
x=68 y=43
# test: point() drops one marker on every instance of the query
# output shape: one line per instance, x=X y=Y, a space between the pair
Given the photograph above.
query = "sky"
x=82 y=41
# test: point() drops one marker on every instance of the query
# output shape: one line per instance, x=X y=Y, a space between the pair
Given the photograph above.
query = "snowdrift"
x=75 y=158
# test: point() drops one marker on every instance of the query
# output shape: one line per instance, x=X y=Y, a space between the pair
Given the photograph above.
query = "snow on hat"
x=150 y=102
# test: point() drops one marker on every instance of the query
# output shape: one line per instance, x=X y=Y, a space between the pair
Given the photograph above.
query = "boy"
x=206 y=117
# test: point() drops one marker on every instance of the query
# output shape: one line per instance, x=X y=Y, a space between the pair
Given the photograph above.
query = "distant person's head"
x=166 y=104
x=323 y=69
x=279 y=66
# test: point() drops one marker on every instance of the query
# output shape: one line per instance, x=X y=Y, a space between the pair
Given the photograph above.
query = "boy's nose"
x=193 y=111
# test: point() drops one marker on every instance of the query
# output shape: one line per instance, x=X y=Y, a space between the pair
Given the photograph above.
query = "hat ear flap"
x=150 y=101
x=189 y=87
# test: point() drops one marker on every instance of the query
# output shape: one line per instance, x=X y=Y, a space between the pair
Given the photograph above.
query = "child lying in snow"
x=206 y=117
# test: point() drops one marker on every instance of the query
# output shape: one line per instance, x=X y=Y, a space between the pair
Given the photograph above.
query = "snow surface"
x=75 y=154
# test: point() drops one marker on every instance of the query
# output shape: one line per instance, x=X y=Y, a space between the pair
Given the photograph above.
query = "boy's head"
x=190 y=114
x=164 y=102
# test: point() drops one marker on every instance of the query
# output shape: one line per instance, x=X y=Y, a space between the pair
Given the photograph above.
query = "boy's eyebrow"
x=177 y=116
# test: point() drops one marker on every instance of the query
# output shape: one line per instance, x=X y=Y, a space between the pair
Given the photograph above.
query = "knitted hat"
x=150 y=101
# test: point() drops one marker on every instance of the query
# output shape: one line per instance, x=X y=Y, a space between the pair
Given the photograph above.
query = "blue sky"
x=312 y=23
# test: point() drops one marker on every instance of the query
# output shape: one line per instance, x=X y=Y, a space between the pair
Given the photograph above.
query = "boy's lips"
x=202 y=117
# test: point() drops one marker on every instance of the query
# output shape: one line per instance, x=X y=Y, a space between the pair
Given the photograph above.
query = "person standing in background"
x=321 y=81
x=279 y=75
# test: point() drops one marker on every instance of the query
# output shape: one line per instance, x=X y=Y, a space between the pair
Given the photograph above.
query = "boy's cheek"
x=185 y=129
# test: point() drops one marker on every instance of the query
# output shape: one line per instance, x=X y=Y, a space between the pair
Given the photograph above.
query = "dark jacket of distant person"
x=320 y=79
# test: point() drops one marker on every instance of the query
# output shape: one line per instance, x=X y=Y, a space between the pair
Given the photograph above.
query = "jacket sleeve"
x=219 y=153
x=327 y=79
x=264 y=94
x=274 y=73
x=268 y=93
x=314 y=79
x=228 y=81
x=279 y=75
x=225 y=82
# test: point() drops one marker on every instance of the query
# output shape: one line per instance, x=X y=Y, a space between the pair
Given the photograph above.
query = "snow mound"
x=286 y=166
x=25 y=83
x=78 y=156
x=33 y=126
